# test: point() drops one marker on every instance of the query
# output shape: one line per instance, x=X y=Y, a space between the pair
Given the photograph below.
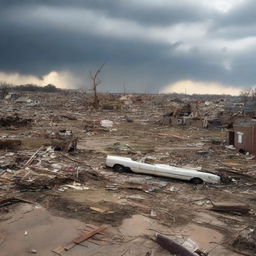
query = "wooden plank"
x=59 y=250
x=69 y=246
x=88 y=229
x=33 y=157
x=230 y=207
x=89 y=234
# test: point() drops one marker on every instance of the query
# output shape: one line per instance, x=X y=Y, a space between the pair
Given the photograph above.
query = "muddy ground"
x=134 y=207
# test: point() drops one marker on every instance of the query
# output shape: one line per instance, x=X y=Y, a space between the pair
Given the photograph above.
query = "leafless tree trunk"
x=245 y=95
x=95 y=82
x=253 y=94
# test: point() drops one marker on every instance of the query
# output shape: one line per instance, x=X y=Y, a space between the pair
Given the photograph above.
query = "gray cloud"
x=144 y=45
x=240 y=22
x=243 y=14
x=138 y=11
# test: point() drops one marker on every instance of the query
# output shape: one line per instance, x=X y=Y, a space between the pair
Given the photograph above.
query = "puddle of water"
x=139 y=225
x=93 y=196
x=135 y=226
x=203 y=217
x=206 y=238
x=34 y=228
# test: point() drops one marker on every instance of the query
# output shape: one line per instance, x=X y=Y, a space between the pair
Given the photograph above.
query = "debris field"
x=57 y=197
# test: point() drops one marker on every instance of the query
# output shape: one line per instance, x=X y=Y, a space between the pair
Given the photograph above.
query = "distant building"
x=249 y=109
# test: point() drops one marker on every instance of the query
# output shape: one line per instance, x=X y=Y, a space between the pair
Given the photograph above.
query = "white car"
x=125 y=163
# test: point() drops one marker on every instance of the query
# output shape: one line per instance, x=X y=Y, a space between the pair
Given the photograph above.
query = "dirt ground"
x=76 y=189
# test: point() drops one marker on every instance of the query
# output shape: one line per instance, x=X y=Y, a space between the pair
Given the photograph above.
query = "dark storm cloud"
x=29 y=42
x=148 y=15
x=40 y=36
x=154 y=15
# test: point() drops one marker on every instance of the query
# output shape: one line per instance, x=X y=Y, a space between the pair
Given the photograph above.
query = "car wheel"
x=196 y=181
x=119 y=168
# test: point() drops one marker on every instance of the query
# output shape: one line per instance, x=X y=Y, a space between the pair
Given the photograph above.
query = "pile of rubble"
x=14 y=121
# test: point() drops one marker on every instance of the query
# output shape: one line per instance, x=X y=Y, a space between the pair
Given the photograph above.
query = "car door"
x=146 y=168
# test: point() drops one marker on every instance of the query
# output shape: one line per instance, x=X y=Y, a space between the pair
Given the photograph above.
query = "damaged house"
x=177 y=115
x=196 y=115
x=243 y=136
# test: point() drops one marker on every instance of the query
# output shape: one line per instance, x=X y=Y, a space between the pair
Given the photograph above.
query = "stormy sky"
x=147 y=45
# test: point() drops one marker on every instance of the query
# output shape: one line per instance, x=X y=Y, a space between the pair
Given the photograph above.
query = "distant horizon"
x=181 y=87
x=90 y=91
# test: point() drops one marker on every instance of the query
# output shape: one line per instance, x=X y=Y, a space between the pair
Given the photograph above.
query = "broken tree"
x=95 y=82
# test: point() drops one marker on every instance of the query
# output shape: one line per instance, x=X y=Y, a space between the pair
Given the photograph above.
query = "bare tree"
x=245 y=95
x=95 y=82
x=253 y=94
x=248 y=95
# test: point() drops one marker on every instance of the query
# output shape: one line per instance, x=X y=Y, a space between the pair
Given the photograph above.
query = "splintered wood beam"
x=59 y=250
x=230 y=207
x=89 y=234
